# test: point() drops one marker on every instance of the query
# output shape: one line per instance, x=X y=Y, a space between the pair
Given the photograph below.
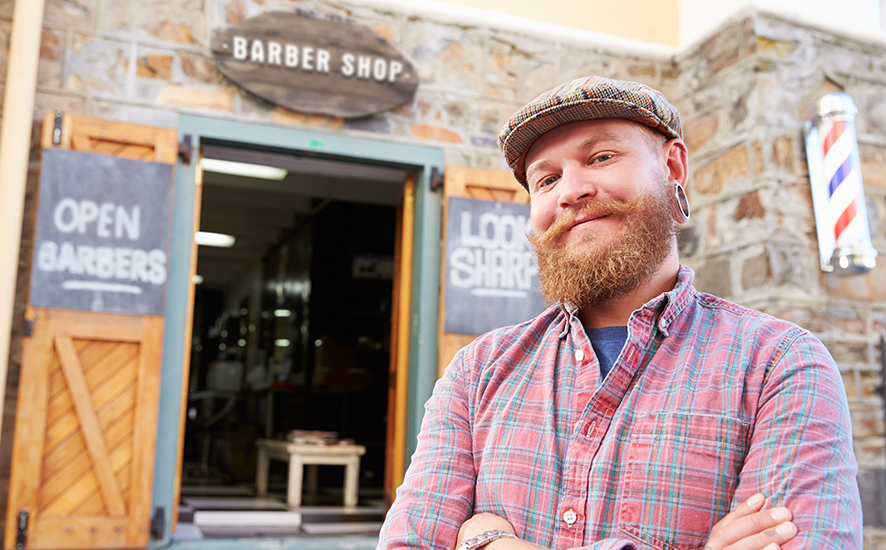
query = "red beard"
x=584 y=274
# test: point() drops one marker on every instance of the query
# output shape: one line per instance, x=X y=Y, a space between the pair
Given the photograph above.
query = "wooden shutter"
x=86 y=420
x=395 y=459
x=461 y=181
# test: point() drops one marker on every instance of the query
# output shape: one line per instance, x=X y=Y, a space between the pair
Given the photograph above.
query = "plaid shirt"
x=708 y=404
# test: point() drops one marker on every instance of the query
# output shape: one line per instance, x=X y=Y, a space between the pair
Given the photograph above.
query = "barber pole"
x=844 y=236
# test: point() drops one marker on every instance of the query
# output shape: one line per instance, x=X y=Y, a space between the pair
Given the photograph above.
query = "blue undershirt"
x=607 y=343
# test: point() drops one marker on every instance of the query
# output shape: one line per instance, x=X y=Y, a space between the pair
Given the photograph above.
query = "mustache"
x=594 y=209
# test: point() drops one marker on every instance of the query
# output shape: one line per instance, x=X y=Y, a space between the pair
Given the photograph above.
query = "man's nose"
x=575 y=188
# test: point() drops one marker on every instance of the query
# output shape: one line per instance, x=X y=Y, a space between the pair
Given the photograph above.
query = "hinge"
x=21 y=532
x=57 y=130
x=436 y=179
x=185 y=149
x=158 y=523
x=29 y=327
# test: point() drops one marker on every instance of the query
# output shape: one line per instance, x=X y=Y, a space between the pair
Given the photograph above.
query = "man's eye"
x=550 y=180
x=601 y=158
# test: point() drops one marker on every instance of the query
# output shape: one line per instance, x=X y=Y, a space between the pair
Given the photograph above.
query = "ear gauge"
x=680 y=206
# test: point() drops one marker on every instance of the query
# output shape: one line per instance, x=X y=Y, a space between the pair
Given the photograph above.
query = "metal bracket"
x=57 y=130
x=158 y=523
x=185 y=149
x=436 y=179
x=21 y=531
x=29 y=327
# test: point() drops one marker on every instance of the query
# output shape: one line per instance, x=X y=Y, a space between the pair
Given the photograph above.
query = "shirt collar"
x=667 y=305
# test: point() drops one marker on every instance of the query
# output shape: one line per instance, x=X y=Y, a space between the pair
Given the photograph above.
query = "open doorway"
x=291 y=338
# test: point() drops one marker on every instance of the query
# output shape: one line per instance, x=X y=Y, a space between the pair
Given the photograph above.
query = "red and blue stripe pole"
x=837 y=190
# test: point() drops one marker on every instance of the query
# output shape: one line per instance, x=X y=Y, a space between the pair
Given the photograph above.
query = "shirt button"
x=569 y=517
x=579 y=355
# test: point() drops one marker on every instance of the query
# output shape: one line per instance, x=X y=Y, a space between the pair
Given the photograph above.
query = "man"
x=636 y=412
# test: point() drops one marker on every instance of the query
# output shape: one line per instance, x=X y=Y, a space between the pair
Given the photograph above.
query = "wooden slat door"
x=86 y=419
x=472 y=183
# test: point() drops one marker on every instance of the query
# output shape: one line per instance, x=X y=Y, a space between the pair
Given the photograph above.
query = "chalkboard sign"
x=102 y=236
x=315 y=63
x=491 y=274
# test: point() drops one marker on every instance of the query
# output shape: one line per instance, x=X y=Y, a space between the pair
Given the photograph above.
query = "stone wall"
x=744 y=95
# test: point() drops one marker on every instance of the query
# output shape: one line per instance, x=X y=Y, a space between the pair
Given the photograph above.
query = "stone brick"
x=849 y=385
x=687 y=241
x=784 y=153
x=714 y=277
x=446 y=56
x=870 y=286
x=70 y=13
x=870 y=382
x=435 y=133
x=872 y=488
x=749 y=207
x=49 y=70
x=154 y=66
x=200 y=68
x=288 y=116
x=219 y=100
x=755 y=271
x=848 y=352
x=168 y=20
x=711 y=177
x=698 y=133
x=51 y=45
x=774 y=48
x=867 y=421
x=645 y=71
x=45 y=101
x=5 y=31
x=97 y=65
x=873 y=166
x=759 y=161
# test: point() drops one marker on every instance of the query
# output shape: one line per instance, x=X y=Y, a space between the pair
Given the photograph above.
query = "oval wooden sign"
x=315 y=64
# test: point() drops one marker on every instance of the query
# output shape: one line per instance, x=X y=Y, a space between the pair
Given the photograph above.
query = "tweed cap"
x=585 y=98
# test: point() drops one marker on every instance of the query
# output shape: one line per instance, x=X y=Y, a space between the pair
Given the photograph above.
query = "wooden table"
x=300 y=455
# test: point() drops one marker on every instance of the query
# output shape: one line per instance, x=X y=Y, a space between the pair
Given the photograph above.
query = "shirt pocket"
x=680 y=477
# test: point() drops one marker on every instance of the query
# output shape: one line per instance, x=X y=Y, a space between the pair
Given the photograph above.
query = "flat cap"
x=585 y=98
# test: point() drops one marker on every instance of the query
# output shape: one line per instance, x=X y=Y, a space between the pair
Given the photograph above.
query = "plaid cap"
x=585 y=98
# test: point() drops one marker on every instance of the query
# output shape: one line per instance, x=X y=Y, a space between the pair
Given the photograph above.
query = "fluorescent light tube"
x=204 y=238
x=243 y=169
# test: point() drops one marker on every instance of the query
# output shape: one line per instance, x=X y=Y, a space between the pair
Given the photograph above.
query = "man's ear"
x=676 y=161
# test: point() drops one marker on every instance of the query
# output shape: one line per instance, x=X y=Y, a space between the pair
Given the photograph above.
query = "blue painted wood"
x=425 y=284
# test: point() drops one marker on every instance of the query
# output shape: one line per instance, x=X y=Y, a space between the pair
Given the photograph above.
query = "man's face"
x=600 y=209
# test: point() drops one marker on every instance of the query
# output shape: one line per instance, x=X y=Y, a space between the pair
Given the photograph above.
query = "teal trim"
x=426 y=276
x=426 y=294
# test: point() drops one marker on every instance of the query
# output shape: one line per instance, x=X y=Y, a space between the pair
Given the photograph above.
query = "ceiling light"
x=243 y=169
x=204 y=238
x=282 y=313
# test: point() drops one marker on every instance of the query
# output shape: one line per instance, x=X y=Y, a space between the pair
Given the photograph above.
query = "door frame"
x=422 y=371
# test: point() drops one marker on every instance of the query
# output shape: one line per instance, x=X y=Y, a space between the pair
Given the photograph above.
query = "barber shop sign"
x=491 y=275
x=315 y=64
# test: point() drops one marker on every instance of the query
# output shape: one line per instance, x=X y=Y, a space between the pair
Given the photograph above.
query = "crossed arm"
x=748 y=527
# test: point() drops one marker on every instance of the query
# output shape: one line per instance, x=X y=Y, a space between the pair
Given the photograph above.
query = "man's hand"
x=482 y=522
x=750 y=528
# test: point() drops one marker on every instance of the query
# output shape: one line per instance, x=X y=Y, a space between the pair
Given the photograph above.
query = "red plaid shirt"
x=708 y=404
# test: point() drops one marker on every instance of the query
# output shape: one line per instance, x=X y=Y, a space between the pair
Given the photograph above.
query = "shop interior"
x=291 y=337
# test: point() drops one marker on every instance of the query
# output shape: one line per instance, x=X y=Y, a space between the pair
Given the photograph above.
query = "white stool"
x=300 y=455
